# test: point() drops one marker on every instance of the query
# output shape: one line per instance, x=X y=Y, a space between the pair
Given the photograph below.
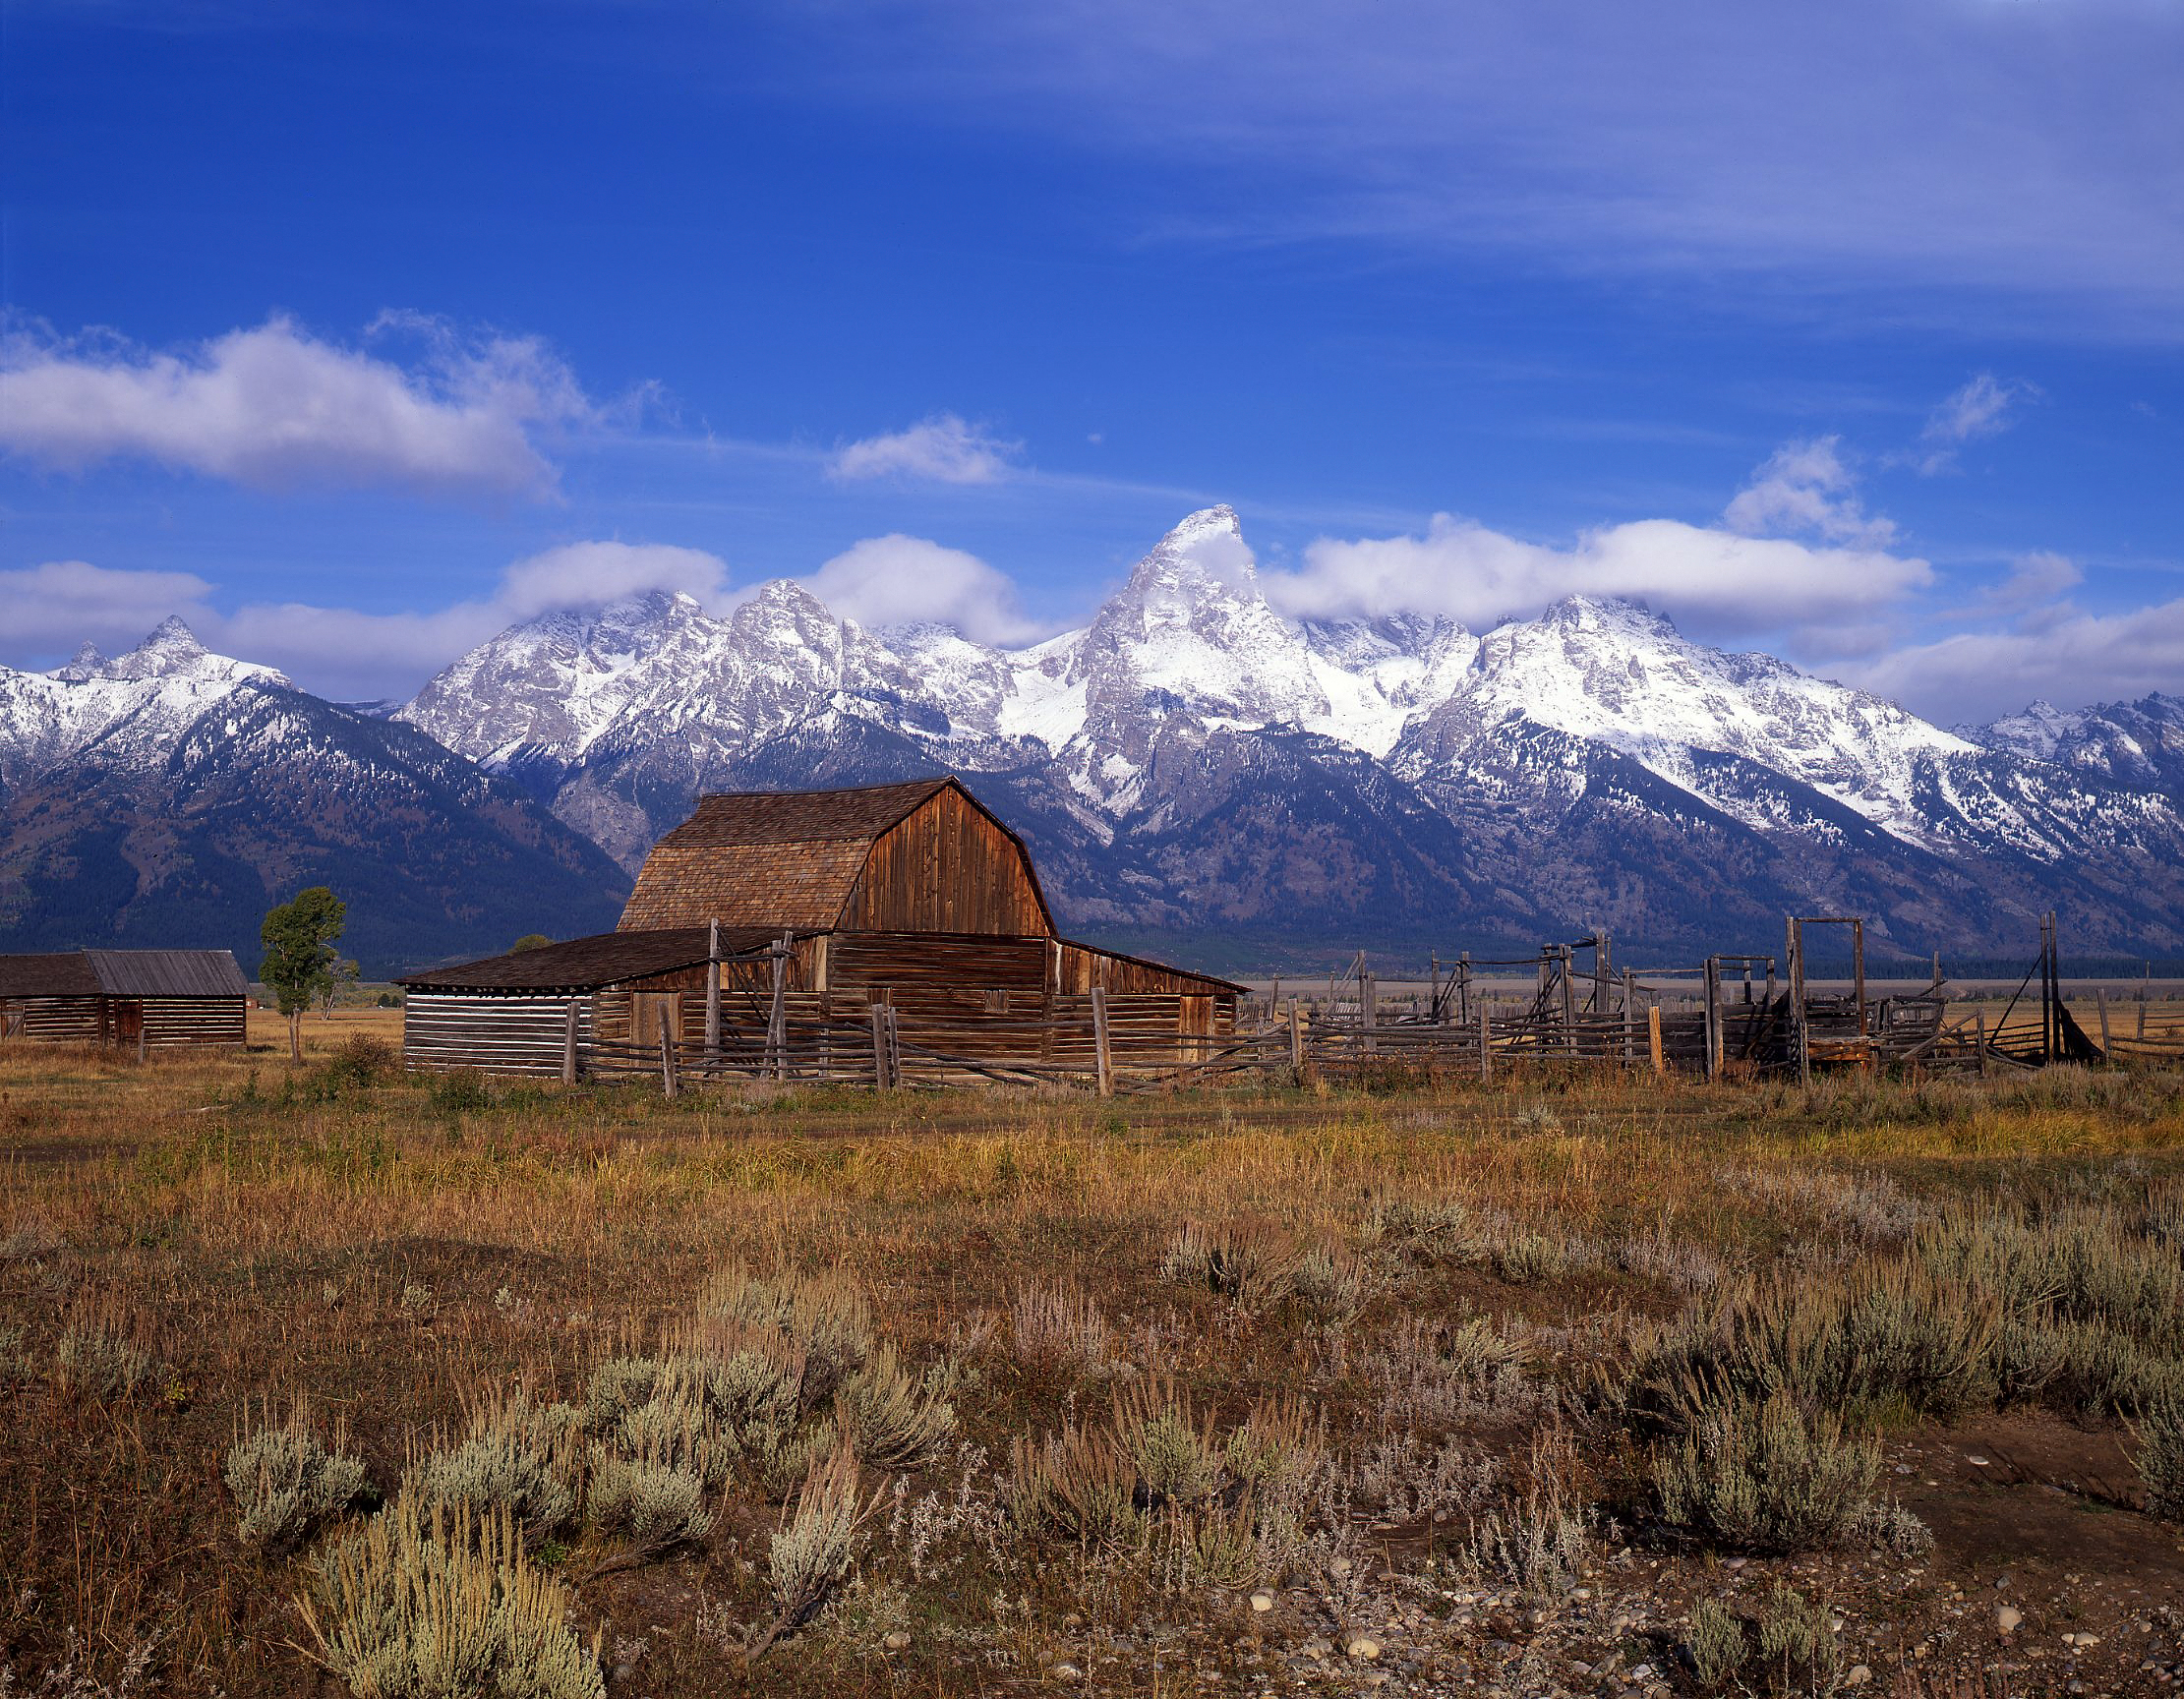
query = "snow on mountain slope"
x=2138 y=742
x=131 y=707
x=1619 y=675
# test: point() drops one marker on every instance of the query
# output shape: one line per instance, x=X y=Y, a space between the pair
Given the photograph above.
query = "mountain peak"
x=88 y=662
x=1204 y=553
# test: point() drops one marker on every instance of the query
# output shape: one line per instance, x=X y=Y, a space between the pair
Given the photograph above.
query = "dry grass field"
x=324 y=1380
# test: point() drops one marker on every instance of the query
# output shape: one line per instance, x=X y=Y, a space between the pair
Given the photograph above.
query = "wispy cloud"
x=2065 y=655
x=942 y=450
x=275 y=408
x=1996 y=150
x=58 y=604
x=1980 y=408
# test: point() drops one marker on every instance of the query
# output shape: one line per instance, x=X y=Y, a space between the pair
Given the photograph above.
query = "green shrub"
x=460 y=1091
x=649 y=1500
x=1764 y=1476
x=1173 y=1453
x=1878 y=1336
x=1719 y=1646
x=287 y=1484
x=431 y=1602
x=812 y=1553
x=99 y=1362
x=888 y=1419
x=2160 y=1456
x=1077 y=1485
x=1251 y=1262
x=519 y=1458
x=824 y=1316
x=1796 y=1641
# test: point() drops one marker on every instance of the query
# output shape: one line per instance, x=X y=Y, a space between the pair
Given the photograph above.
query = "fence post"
x=880 y=1081
x=713 y=995
x=1713 y=1017
x=1104 y=1066
x=2102 y=993
x=1486 y=1042
x=1463 y=986
x=1296 y=1044
x=1369 y=1006
x=1603 y=972
x=568 y=1046
x=894 y=1048
x=1569 y=1002
x=776 y=1019
x=1629 y=1020
x=667 y=1062
x=1653 y=1038
x=1978 y=1021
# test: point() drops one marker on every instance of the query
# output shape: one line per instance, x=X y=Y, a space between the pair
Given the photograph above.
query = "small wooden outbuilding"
x=915 y=897
x=139 y=999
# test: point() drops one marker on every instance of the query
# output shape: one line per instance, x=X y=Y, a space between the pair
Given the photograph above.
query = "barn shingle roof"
x=65 y=975
x=802 y=816
x=590 y=964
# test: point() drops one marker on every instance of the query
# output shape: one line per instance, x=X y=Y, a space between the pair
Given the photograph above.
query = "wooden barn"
x=770 y=915
x=139 y=999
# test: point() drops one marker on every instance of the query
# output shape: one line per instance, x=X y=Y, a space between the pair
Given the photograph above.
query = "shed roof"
x=123 y=973
x=589 y=964
x=65 y=975
x=168 y=973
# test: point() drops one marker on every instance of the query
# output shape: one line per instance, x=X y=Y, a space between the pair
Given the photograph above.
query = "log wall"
x=500 y=1035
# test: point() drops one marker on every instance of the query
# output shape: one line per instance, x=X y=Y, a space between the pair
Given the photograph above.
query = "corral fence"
x=1729 y=1016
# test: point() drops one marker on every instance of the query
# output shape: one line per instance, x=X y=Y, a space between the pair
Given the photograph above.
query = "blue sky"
x=1853 y=333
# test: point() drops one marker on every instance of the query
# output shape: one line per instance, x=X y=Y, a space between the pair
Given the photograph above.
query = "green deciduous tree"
x=300 y=960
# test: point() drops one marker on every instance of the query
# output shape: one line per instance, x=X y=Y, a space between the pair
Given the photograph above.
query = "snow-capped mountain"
x=130 y=709
x=1138 y=749
x=1190 y=761
x=170 y=795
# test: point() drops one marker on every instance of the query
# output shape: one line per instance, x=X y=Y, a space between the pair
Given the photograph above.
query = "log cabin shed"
x=155 y=999
x=914 y=895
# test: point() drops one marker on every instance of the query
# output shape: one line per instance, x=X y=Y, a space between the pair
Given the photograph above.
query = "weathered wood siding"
x=501 y=1035
x=171 y=1021
x=168 y=1022
x=947 y=868
x=51 y=1019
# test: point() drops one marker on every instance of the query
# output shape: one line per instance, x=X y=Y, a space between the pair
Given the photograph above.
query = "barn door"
x=651 y=1011
x=129 y=1023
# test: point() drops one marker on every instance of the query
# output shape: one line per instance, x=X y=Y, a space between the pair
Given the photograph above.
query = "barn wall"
x=947 y=868
x=504 y=1034
x=51 y=1019
x=861 y=959
x=178 y=1021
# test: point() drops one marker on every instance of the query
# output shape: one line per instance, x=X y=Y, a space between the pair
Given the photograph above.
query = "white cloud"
x=2039 y=576
x=1476 y=575
x=898 y=580
x=1980 y=408
x=341 y=652
x=1804 y=488
x=2067 y=656
x=277 y=408
x=55 y=607
x=581 y=574
x=943 y=450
